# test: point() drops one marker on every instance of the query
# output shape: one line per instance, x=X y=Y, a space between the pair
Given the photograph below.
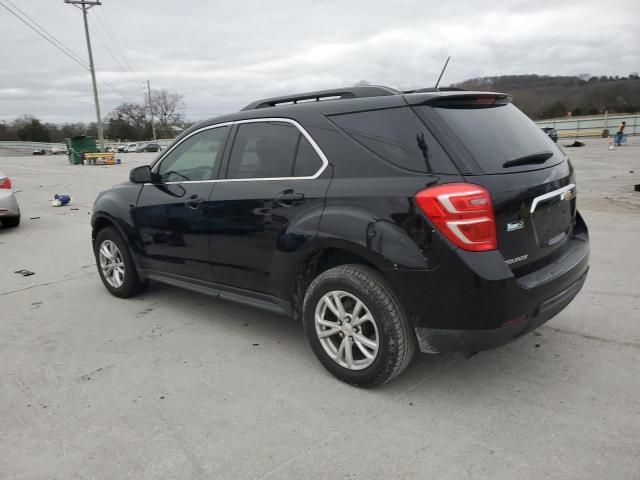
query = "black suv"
x=385 y=221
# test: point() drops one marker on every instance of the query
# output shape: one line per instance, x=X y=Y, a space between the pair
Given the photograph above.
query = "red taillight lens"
x=463 y=213
x=5 y=182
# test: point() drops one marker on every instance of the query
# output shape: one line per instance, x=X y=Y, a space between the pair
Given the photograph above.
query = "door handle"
x=289 y=198
x=194 y=201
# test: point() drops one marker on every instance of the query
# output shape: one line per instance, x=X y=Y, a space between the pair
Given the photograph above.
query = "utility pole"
x=85 y=5
x=153 y=128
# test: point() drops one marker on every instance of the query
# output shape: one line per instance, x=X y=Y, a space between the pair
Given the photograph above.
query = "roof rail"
x=433 y=89
x=334 y=94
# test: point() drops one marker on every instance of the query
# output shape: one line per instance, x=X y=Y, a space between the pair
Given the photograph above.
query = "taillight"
x=5 y=182
x=463 y=213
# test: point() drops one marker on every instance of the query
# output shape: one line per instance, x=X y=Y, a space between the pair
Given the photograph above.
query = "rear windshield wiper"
x=533 y=159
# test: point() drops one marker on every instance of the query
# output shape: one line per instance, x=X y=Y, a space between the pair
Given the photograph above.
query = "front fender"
x=116 y=206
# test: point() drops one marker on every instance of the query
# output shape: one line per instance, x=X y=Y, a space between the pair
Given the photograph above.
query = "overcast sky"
x=223 y=54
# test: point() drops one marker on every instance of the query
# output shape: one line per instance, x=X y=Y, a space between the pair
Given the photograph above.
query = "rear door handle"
x=289 y=198
x=194 y=201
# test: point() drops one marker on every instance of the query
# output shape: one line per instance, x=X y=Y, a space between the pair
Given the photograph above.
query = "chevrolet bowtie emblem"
x=565 y=196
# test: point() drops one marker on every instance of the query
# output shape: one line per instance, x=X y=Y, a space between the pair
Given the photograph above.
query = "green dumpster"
x=79 y=145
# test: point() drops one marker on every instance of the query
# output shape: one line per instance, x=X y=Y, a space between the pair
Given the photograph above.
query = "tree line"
x=129 y=121
x=544 y=96
x=539 y=96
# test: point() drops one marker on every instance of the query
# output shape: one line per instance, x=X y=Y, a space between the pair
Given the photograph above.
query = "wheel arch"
x=326 y=255
x=102 y=220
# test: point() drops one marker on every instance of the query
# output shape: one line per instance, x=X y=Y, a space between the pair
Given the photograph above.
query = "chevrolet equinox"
x=386 y=222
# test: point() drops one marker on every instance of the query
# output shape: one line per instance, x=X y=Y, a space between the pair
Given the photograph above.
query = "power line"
x=52 y=40
x=40 y=30
x=104 y=45
x=114 y=37
x=101 y=41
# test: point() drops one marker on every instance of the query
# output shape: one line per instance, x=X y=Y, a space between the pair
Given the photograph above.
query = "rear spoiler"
x=455 y=99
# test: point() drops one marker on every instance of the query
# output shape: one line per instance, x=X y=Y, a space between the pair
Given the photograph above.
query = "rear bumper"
x=440 y=340
x=8 y=204
x=473 y=301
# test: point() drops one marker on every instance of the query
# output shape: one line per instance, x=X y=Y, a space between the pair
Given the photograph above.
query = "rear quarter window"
x=398 y=137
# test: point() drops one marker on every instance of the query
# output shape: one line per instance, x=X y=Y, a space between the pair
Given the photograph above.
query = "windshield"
x=498 y=136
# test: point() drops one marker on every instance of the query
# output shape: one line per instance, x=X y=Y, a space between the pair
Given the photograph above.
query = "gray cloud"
x=221 y=55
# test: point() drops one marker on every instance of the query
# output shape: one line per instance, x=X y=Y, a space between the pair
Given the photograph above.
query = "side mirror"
x=141 y=175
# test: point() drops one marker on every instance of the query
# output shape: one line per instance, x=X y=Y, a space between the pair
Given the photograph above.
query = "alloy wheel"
x=347 y=330
x=111 y=263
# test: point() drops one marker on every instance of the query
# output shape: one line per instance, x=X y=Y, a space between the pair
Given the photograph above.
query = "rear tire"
x=369 y=321
x=115 y=265
x=10 y=222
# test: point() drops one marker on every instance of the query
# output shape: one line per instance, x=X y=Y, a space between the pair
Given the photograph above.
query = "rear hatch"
x=529 y=178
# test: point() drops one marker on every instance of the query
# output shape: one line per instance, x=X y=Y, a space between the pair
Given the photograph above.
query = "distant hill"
x=543 y=96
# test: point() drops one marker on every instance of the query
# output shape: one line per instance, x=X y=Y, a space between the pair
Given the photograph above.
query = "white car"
x=58 y=151
x=131 y=147
x=9 y=210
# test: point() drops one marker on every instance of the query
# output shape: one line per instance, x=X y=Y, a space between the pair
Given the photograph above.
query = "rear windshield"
x=496 y=135
x=398 y=137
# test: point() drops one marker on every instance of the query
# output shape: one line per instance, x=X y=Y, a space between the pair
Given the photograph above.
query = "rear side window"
x=397 y=136
x=271 y=150
x=307 y=160
x=496 y=135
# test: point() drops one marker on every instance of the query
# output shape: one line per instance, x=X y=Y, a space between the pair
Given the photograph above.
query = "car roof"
x=331 y=102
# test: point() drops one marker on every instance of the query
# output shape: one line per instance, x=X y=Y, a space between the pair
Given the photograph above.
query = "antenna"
x=442 y=72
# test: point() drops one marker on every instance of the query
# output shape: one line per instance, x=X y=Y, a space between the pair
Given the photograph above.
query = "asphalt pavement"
x=173 y=384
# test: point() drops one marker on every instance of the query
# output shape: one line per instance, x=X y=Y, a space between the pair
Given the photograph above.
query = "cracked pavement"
x=173 y=384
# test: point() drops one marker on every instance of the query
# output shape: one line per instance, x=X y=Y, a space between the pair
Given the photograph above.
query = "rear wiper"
x=535 y=158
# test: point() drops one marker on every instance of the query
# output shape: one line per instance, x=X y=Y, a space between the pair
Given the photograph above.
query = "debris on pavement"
x=61 y=200
x=575 y=144
x=25 y=273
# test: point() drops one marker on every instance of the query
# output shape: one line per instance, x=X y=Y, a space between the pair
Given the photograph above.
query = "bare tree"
x=166 y=107
x=128 y=121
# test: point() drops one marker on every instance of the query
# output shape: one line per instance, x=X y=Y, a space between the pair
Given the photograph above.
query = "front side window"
x=196 y=158
x=271 y=150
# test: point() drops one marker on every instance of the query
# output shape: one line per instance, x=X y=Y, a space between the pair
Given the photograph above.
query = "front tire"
x=115 y=265
x=357 y=327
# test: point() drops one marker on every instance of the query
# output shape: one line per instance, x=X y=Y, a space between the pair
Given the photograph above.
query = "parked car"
x=152 y=147
x=551 y=132
x=121 y=148
x=9 y=210
x=131 y=147
x=384 y=221
x=59 y=151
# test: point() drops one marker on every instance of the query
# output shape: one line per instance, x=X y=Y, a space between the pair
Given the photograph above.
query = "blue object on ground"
x=63 y=199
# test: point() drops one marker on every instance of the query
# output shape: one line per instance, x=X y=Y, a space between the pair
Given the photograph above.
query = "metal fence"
x=19 y=148
x=27 y=148
x=593 y=126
